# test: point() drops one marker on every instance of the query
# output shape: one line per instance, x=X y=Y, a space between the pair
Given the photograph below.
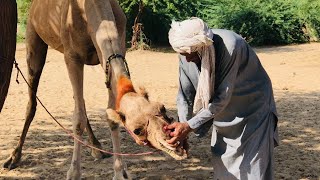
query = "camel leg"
x=8 y=34
x=93 y=140
x=120 y=168
x=36 y=55
x=75 y=70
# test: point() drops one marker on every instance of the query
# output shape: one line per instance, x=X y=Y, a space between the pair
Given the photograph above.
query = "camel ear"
x=115 y=116
x=142 y=91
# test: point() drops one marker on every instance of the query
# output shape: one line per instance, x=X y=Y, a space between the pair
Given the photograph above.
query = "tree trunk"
x=8 y=33
x=136 y=27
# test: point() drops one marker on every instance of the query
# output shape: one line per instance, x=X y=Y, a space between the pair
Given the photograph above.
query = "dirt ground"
x=294 y=71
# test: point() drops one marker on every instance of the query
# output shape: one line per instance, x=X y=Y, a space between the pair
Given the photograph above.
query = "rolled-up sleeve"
x=185 y=97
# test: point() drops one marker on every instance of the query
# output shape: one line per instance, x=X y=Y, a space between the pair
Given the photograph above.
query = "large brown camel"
x=92 y=32
x=8 y=32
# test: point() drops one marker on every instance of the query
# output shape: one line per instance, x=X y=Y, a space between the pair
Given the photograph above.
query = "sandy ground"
x=294 y=71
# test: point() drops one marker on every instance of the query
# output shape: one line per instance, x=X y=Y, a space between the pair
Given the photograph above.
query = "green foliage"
x=309 y=12
x=23 y=8
x=157 y=16
x=260 y=22
x=265 y=22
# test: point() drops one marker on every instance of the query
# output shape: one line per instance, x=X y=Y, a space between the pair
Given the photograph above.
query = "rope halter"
x=108 y=68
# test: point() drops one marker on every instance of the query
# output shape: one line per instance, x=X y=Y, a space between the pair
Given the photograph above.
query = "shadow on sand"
x=298 y=156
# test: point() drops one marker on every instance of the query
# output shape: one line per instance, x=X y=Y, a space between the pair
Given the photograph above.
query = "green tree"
x=156 y=16
x=23 y=9
x=265 y=22
x=260 y=22
x=309 y=13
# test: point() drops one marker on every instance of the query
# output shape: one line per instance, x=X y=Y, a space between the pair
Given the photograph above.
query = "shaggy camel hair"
x=90 y=32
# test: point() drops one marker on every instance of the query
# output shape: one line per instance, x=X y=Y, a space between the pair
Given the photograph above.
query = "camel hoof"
x=73 y=174
x=122 y=175
x=99 y=155
x=11 y=163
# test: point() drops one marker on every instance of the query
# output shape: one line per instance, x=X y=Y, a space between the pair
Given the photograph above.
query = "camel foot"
x=73 y=174
x=122 y=175
x=13 y=161
x=98 y=154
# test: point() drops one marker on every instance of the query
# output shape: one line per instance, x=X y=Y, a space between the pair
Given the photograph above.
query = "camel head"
x=145 y=120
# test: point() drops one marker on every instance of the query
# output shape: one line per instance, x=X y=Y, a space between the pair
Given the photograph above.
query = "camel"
x=8 y=34
x=92 y=32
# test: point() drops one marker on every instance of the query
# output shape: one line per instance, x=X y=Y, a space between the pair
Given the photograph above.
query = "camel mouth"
x=178 y=153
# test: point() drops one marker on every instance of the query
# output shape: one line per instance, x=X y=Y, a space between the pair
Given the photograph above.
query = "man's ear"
x=115 y=116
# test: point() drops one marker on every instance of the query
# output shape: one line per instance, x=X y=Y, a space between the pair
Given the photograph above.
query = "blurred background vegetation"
x=260 y=22
x=23 y=7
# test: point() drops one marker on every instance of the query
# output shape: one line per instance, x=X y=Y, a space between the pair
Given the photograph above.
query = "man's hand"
x=178 y=132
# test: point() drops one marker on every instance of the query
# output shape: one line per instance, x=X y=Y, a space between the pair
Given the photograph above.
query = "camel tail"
x=8 y=35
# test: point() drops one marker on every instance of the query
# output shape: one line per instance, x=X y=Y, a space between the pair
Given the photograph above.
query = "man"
x=223 y=85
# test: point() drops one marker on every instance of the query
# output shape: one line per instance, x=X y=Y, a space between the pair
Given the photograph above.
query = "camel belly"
x=45 y=16
x=54 y=21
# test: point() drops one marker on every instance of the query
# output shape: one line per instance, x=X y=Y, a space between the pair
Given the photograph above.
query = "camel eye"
x=137 y=131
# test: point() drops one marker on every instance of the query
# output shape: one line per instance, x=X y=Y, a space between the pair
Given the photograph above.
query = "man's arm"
x=186 y=94
x=228 y=71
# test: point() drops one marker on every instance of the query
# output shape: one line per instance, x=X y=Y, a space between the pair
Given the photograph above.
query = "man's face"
x=193 y=56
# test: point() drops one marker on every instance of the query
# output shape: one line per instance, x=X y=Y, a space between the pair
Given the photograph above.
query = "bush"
x=23 y=8
x=157 y=16
x=267 y=22
x=260 y=22
x=308 y=11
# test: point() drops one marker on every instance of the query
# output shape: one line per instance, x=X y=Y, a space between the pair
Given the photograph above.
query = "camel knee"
x=79 y=126
x=113 y=118
x=79 y=123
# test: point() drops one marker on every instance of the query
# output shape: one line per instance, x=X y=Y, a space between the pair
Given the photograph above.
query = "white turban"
x=193 y=35
x=189 y=35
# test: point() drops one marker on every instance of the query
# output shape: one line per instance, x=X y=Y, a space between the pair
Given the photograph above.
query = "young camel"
x=91 y=32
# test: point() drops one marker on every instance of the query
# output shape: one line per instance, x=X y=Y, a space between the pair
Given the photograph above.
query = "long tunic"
x=241 y=111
